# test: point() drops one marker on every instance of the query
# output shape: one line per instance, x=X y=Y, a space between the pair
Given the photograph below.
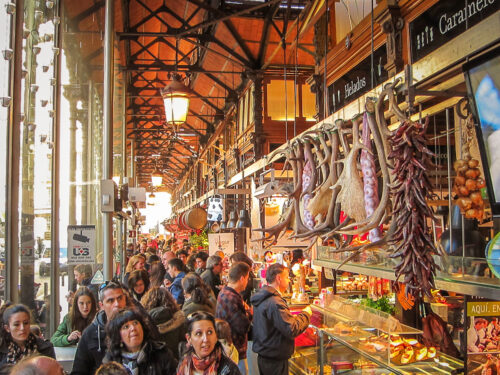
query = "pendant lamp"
x=244 y=220
x=231 y=223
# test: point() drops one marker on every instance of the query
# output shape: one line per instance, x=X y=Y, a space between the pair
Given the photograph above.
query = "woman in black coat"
x=129 y=343
x=17 y=341
x=169 y=319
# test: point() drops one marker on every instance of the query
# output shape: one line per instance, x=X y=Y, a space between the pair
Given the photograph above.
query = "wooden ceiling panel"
x=212 y=44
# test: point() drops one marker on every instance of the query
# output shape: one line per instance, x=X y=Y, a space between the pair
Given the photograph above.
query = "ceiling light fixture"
x=176 y=97
x=156 y=177
x=176 y=101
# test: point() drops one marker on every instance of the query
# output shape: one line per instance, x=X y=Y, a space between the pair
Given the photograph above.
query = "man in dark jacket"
x=232 y=309
x=274 y=327
x=211 y=276
x=92 y=347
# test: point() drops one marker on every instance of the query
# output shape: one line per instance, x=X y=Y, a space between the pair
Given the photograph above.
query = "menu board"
x=483 y=336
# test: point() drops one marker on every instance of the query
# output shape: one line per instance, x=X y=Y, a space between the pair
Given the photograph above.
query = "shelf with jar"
x=466 y=275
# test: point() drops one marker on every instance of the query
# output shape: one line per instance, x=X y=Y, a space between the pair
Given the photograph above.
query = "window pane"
x=4 y=113
x=35 y=163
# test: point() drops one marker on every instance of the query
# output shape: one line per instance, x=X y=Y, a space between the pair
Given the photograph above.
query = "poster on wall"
x=221 y=242
x=81 y=244
x=483 y=336
x=27 y=246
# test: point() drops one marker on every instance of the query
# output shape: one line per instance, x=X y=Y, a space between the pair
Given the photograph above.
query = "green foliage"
x=199 y=240
x=381 y=304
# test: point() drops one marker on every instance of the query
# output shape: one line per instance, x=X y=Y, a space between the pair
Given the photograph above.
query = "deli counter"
x=354 y=339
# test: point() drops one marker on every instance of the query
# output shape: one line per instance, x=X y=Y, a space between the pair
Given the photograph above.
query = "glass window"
x=5 y=25
x=35 y=213
x=276 y=100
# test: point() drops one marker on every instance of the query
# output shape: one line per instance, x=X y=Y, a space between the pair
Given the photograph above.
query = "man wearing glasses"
x=92 y=347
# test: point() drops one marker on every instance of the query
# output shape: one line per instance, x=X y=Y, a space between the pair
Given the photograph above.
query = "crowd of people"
x=172 y=312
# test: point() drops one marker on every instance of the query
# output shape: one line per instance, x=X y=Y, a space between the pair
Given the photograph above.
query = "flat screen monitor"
x=482 y=76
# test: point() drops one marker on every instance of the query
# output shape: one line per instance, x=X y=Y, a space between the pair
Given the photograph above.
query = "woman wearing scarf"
x=17 y=340
x=204 y=354
x=130 y=344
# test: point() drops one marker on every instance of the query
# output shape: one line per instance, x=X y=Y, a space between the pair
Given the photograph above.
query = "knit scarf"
x=129 y=361
x=15 y=353
x=207 y=365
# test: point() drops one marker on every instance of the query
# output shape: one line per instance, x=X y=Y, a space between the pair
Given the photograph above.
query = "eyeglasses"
x=108 y=283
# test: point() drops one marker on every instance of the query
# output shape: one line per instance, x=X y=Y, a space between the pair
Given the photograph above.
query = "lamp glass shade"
x=176 y=108
x=156 y=179
x=244 y=220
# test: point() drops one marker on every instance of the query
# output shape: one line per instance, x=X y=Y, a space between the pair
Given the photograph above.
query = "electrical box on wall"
x=108 y=193
x=137 y=194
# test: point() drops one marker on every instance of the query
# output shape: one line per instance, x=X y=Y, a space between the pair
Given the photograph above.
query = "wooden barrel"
x=196 y=218
x=182 y=222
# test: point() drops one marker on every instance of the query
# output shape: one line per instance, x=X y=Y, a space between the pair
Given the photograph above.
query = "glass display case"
x=357 y=339
x=465 y=275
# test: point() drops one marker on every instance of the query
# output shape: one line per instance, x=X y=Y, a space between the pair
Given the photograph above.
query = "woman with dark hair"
x=138 y=284
x=204 y=354
x=169 y=319
x=196 y=295
x=17 y=340
x=80 y=316
x=129 y=343
x=157 y=273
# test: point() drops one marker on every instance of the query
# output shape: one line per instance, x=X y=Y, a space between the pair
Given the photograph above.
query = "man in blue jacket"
x=274 y=326
x=176 y=271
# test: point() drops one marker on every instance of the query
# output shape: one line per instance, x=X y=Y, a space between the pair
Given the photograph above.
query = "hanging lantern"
x=176 y=101
x=156 y=178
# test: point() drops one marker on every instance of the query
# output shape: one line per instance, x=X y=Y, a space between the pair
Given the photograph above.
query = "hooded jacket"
x=91 y=347
x=176 y=288
x=154 y=358
x=274 y=327
x=172 y=329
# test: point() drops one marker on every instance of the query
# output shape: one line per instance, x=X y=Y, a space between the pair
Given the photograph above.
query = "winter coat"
x=172 y=329
x=230 y=308
x=190 y=307
x=154 y=358
x=91 y=348
x=44 y=347
x=176 y=288
x=60 y=337
x=274 y=327
x=212 y=280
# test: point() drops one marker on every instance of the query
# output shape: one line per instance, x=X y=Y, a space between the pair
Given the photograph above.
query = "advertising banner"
x=81 y=244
